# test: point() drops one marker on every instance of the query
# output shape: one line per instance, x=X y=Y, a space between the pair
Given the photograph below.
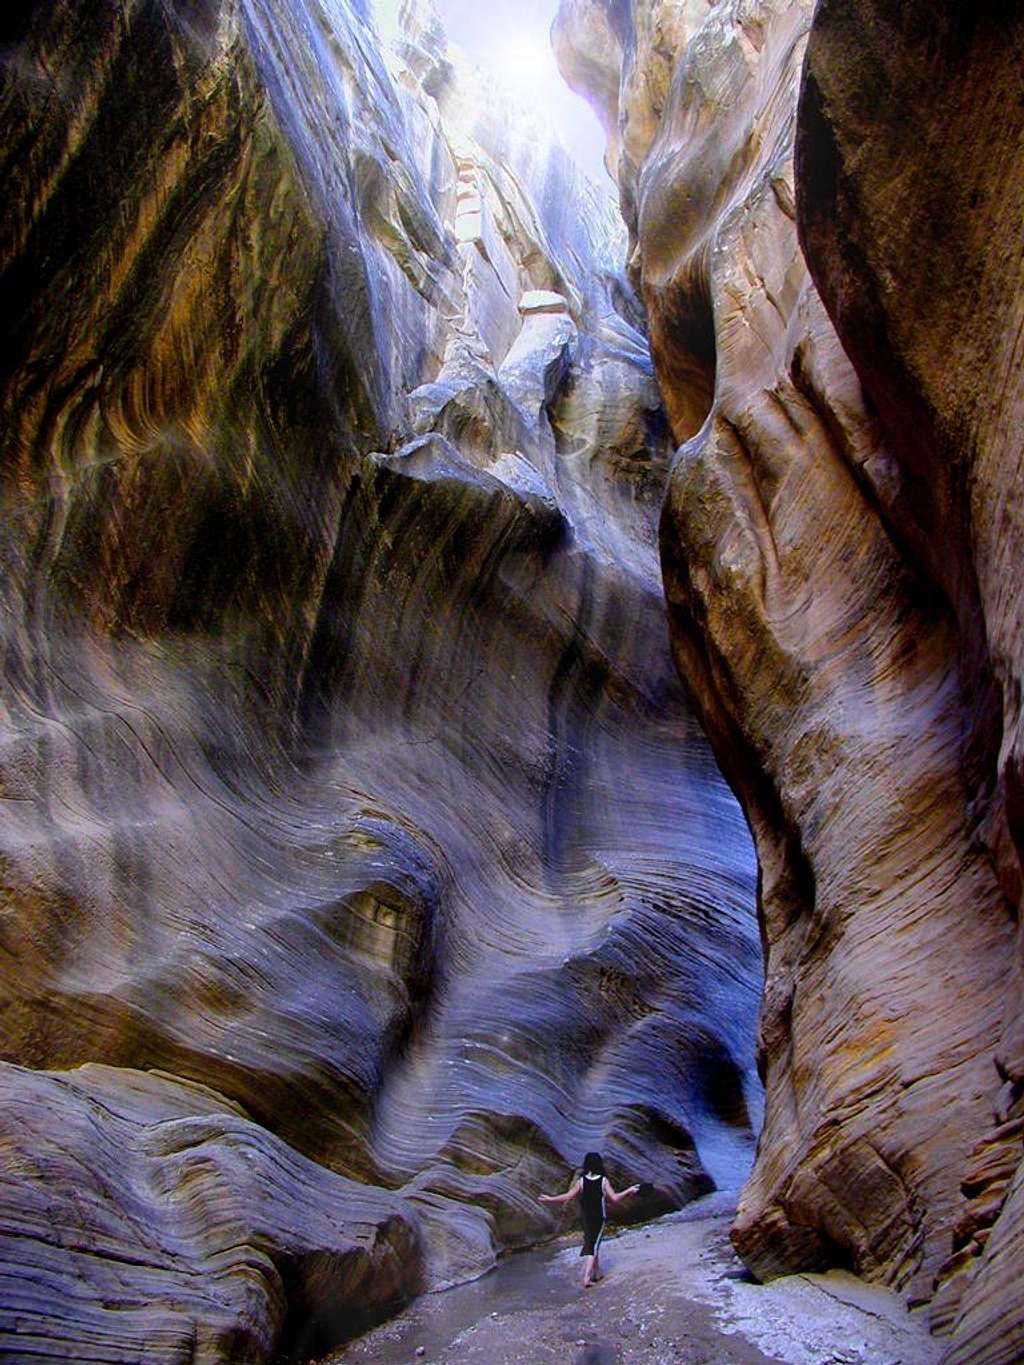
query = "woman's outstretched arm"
x=618 y=1197
x=570 y=1193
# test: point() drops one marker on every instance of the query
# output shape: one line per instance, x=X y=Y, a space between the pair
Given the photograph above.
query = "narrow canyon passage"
x=497 y=665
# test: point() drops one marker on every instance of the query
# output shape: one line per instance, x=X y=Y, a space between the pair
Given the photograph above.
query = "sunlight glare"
x=525 y=63
x=509 y=41
x=386 y=14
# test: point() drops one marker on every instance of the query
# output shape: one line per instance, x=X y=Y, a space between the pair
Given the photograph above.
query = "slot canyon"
x=497 y=665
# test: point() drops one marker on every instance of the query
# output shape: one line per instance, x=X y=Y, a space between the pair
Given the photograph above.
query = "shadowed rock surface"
x=354 y=820
x=825 y=570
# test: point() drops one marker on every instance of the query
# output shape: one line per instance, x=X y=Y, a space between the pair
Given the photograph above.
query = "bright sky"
x=510 y=38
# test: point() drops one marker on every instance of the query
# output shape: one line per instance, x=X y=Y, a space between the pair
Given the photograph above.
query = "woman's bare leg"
x=588 y=1271
x=598 y=1273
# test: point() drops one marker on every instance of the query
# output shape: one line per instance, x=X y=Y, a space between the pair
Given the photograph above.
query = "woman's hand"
x=570 y=1193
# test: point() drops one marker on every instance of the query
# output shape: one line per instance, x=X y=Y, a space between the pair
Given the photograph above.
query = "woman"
x=593 y=1188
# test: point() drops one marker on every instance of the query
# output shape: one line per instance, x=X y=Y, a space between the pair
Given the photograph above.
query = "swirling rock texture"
x=362 y=861
x=842 y=572
x=926 y=289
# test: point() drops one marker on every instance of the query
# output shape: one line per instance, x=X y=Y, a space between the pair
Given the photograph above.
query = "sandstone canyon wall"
x=841 y=548
x=362 y=861
x=926 y=290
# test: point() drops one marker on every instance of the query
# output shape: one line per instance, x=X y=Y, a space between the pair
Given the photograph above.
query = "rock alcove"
x=371 y=844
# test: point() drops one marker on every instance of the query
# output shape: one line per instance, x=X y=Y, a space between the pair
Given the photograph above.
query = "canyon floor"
x=673 y=1292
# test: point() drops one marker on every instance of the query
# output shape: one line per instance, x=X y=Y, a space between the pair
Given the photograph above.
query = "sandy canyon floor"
x=673 y=1292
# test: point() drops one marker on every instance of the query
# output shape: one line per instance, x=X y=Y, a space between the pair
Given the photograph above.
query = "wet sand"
x=673 y=1292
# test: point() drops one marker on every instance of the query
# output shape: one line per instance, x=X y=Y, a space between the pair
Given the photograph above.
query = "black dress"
x=592 y=1212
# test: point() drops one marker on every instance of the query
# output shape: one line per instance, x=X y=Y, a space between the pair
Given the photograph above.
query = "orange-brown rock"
x=827 y=663
x=911 y=160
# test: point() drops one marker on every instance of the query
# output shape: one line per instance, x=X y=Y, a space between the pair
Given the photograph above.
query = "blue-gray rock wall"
x=347 y=773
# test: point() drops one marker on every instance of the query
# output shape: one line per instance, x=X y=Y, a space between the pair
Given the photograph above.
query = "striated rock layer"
x=146 y=1218
x=910 y=219
x=362 y=862
x=825 y=557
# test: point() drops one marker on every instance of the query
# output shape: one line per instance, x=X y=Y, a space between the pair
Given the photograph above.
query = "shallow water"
x=522 y=1282
x=538 y=1281
x=673 y=1291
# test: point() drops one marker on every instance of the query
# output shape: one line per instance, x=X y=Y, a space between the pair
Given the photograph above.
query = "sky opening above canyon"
x=510 y=39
